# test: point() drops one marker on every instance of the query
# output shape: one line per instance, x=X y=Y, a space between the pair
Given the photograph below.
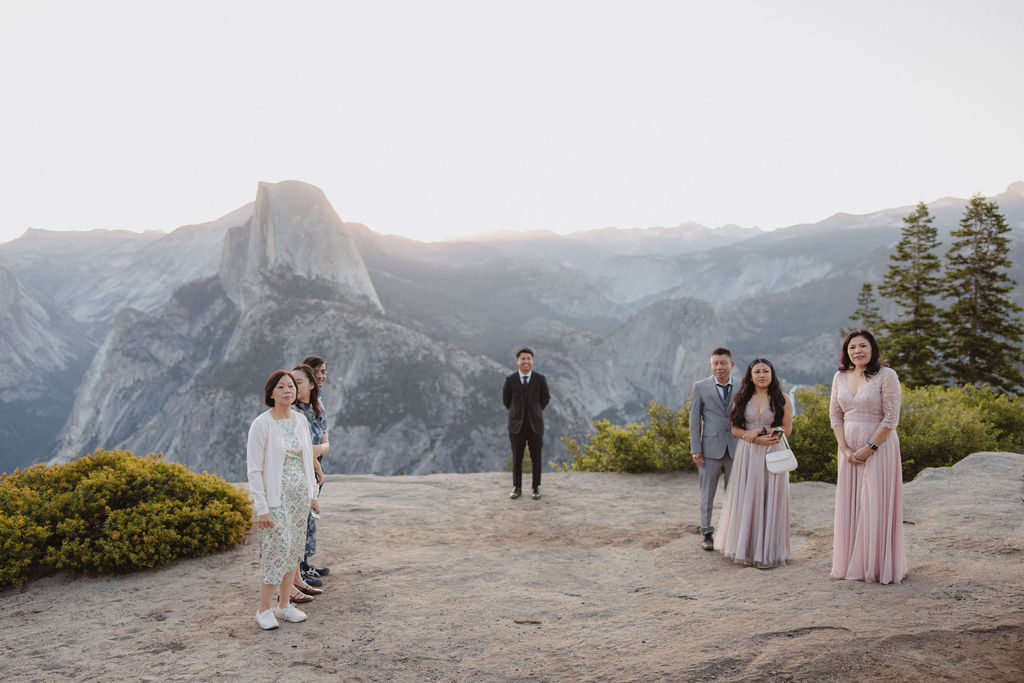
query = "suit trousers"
x=708 y=475
x=525 y=437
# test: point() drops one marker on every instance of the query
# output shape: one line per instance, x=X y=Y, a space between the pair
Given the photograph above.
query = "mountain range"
x=162 y=341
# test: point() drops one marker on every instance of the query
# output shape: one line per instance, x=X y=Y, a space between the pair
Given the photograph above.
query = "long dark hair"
x=874 y=365
x=314 y=393
x=776 y=398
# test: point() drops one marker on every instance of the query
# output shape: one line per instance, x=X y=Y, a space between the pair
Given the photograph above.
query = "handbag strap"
x=784 y=441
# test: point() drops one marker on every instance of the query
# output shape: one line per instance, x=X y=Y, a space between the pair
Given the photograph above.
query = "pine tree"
x=914 y=341
x=866 y=317
x=984 y=330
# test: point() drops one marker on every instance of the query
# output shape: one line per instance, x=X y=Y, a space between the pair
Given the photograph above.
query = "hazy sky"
x=435 y=118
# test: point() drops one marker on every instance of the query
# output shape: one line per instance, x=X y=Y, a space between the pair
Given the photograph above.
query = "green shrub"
x=938 y=427
x=812 y=439
x=670 y=431
x=1004 y=411
x=113 y=512
x=662 y=443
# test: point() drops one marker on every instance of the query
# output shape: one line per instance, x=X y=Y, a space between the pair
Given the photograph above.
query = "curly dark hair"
x=776 y=398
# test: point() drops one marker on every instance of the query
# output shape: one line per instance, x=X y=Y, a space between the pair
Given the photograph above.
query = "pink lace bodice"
x=878 y=401
x=756 y=420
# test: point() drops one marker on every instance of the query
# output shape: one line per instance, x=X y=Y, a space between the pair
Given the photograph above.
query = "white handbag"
x=781 y=461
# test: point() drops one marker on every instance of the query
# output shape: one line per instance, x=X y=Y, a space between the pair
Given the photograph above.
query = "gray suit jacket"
x=710 y=431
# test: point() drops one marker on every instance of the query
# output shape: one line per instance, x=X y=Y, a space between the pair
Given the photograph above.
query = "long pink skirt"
x=754 y=528
x=868 y=539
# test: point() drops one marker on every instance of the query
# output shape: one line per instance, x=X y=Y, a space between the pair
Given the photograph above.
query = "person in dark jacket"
x=525 y=395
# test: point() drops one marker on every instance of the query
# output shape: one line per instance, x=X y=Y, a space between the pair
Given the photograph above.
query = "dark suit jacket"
x=536 y=395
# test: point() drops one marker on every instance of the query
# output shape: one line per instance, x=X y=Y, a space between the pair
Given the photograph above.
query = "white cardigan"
x=264 y=458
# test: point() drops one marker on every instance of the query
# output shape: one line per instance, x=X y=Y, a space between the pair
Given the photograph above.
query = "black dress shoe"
x=516 y=492
x=312 y=580
x=536 y=494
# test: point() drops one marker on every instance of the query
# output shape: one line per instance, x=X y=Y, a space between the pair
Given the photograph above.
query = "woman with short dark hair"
x=279 y=461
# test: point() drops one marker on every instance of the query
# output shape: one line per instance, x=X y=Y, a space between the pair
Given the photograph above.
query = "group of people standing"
x=732 y=430
x=284 y=461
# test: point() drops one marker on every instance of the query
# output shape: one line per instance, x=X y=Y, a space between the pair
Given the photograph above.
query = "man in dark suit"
x=525 y=395
x=711 y=441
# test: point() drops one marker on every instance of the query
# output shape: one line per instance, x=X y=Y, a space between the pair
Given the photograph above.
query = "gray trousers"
x=707 y=475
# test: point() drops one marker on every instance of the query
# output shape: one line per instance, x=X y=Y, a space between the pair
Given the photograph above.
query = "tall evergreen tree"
x=866 y=316
x=914 y=341
x=984 y=327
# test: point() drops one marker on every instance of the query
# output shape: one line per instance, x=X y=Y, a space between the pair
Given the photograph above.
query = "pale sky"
x=438 y=118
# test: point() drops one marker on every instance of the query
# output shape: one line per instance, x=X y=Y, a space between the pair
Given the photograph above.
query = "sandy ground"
x=444 y=578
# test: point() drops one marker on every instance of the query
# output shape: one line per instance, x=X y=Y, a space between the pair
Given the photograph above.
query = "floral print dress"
x=281 y=545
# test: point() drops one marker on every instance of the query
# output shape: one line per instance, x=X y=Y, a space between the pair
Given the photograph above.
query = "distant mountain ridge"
x=179 y=330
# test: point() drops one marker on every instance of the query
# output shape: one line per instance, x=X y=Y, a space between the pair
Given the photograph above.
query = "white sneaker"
x=266 y=619
x=290 y=613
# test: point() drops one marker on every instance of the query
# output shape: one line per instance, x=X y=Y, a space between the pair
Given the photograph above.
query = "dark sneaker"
x=536 y=494
x=709 y=542
x=314 y=581
x=515 y=493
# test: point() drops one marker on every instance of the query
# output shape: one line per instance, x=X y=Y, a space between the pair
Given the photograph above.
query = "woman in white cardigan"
x=279 y=456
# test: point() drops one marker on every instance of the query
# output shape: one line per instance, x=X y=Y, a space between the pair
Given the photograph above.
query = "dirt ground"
x=443 y=577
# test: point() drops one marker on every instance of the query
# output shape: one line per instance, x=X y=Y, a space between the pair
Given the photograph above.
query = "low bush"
x=661 y=443
x=114 y=512
x=938 y=427
x=812 y=439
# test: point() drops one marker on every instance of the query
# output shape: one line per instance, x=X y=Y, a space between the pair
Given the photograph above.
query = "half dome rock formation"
x=294 y=231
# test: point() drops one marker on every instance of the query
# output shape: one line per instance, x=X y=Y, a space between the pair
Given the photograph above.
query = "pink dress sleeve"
x=890 y=398
x=835 y=411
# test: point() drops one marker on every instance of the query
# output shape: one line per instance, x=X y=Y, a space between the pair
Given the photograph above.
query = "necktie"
x=526 y=380
x=725 y=391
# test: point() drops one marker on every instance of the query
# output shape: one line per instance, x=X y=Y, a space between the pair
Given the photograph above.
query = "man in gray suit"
x=711 y=441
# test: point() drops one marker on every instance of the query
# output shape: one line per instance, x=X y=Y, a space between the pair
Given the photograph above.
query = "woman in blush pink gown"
x=864 y=410
x=754 y=528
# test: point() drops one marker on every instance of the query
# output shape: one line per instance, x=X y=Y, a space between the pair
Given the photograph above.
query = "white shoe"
x=266 y=619
x=290 y=613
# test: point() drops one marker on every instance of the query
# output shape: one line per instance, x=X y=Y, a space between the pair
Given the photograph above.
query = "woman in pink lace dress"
x=864 y=410
x=754 y=528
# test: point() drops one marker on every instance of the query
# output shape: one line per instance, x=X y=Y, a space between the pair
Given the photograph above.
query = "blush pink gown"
x=754 y=528
x=868 y=539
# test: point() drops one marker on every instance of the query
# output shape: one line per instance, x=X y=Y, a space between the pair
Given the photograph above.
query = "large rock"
x=42 y=354
x=293 y=230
